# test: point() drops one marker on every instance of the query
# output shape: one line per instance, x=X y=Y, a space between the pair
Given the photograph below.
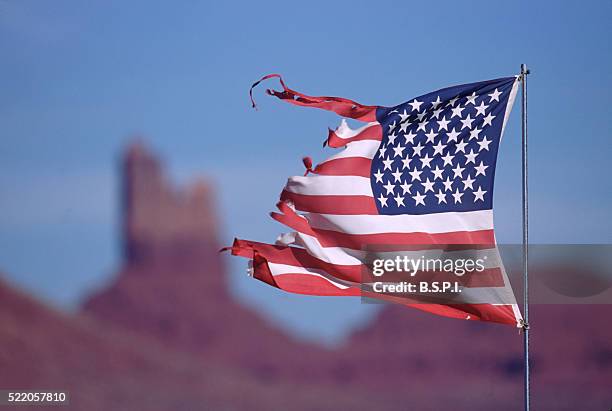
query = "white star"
x=437 y=172
x=422 y=125
x=474 y=133
x=458 y=170
x=452 y=135
x=484 y=144
x=392 y=138
x=467 y=183
x=379 y=176
x=399 y=150
x=388 y=163
x=467 y=122
x=437 y=113
x=470 y=157
x=457 y=111
x=471 y=99
x=404 y=126
x=448 y=184
x=431 y=136
x=495 y=96
x=397 y=175
x=389 y=187
x=457 y=196
x=488 y=119
x=406 y=187
x=428 y=185
x=417 y=149
x=415 y=174
x=479 y=194
x=383 y=200
x=425 y=161
x=441 y=197
x=438 y=148
x=416 y=105
x=406 y=161
x=452 y=101
x=422 y=115
x=443 y=124
x=392 y=126
x=461 y=147
x=410 y=137
x=480 y=110
x=481 y=169
x=399 y=200
x=419 y=198
x=448 y=159
x=435 y=104
x=381 y=152
x=404 y=116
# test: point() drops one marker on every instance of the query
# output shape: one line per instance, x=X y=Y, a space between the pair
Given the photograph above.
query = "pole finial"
x=524 y=69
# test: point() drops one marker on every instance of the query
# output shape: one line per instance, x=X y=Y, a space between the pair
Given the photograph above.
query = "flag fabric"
x=419 y=174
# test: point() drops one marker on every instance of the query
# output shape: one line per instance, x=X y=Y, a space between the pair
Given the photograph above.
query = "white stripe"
x=361 y=148
x=332 y=255
x=330 y=185
x=509 y=105
x=425 y=223
x=280 y=269
x=344 y=131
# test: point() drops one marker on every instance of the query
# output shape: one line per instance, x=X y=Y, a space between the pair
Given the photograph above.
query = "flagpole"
x=524 y=72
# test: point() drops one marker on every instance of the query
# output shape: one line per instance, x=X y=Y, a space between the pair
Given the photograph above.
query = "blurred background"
x=129 y=154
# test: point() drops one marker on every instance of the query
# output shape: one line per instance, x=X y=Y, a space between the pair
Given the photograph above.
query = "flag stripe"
x=382 y=224
x=339 y=105
x=365 y=149
x=347 y=166
x=344 y=134
x=329 y=185
x=331 y=204
x=277 y=269
x=309 y=284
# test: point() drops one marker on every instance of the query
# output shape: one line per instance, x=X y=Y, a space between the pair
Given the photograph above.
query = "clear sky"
x=77 y=79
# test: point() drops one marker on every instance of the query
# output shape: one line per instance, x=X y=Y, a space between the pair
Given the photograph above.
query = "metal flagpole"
x=524 y=72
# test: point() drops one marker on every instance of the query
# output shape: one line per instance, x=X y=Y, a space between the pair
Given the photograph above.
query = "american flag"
x=419 y=174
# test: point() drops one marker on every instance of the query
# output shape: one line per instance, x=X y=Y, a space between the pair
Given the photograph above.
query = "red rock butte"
x=157 y=217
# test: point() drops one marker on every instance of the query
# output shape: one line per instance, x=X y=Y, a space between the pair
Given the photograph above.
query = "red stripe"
x=311 y=285
x=330 y=238
x=341 y=106
x=331 y=204
x=347 y=166
x=373 y=132
x=502 y=314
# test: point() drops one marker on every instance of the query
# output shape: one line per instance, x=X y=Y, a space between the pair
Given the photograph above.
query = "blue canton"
x=439 y=151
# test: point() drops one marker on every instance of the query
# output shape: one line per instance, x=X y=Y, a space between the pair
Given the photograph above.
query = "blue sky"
x=79 y=79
